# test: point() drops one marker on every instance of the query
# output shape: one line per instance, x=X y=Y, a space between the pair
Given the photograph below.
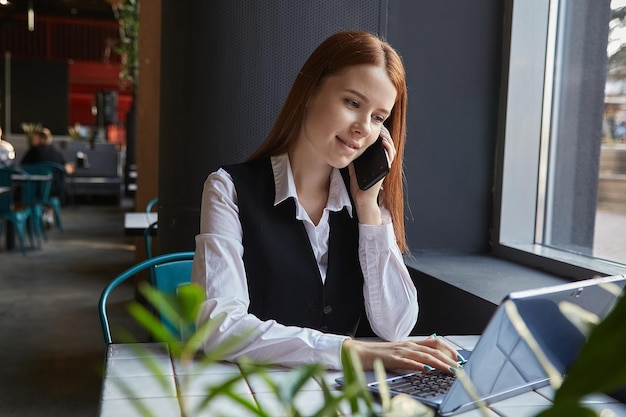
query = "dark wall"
x=452 y=53
x=39 y=94
x=232 y=58
x=224 y=76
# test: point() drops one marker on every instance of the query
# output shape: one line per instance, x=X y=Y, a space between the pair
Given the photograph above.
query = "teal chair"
x=34 y=194
x=150 y=230
x=151 y=204
x=31 y=194
x=170 y=272
x=18 y=217
x=58 y=179
x=148 y=233
x=147 y=236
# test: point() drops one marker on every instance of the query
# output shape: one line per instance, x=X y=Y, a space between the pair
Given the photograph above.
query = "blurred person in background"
x=7 y=153
x=42 y=150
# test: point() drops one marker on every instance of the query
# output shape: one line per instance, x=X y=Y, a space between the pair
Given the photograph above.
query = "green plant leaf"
x=251 y=406
x=166 y=304
x=249 y=368
x=331 y=401
x=182 y=309
x=178 y=310
x=151 y=323
x=350 y=377
x=190 y=298
x=298 y=377
x=383 y=388
x=355 y=386
x=219 y=352
x=197 y=337
x=599 y=366
x=226 y=388
x=140 y=406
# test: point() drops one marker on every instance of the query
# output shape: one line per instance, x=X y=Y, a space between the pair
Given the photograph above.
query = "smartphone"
x=372 y=165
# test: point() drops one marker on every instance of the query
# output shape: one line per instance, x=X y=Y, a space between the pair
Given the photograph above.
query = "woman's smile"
x=345 y=115
x=351 y=145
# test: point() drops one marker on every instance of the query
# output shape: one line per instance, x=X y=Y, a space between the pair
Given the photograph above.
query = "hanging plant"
x=127 y=14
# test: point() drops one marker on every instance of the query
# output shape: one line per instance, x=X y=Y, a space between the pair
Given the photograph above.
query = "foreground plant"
x=173 y=323
x=599 y=367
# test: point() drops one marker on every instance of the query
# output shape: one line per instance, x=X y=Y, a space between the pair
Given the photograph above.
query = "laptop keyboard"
x=422 y=384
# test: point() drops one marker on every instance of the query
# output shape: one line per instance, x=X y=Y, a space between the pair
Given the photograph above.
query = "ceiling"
x=85 y=9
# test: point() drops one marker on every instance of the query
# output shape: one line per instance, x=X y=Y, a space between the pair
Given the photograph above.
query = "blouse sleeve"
x=390 y=296
x=218 y=267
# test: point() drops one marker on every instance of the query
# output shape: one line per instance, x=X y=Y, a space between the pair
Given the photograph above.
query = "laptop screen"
x=503 y=364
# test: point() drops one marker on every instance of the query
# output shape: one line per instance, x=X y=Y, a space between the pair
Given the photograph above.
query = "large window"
x=562 y=186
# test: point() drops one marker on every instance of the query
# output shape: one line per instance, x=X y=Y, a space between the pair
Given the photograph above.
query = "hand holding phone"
x=372 y=165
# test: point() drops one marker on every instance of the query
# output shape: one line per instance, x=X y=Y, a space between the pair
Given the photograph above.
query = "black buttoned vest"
x=283 y=278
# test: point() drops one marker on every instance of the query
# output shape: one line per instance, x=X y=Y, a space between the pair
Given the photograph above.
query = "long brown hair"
x=342 y=50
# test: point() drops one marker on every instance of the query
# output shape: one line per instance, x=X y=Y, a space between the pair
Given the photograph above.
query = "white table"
x=136 y=223
x=124 y=366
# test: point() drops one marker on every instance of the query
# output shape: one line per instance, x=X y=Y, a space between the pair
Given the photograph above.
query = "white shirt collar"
x=338 y=197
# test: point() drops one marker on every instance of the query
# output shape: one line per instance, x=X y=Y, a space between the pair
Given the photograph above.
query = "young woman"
x=290 y=250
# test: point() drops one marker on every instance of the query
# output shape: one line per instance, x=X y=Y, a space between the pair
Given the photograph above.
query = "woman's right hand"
x=420 y=355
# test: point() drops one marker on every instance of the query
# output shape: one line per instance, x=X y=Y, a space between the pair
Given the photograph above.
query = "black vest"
x=283 y=278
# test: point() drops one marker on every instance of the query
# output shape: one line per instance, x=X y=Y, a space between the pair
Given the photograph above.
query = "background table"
x=124 y=367
x=136 y=223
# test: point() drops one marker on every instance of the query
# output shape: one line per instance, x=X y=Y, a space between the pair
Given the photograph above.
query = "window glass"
x=561 y=183
x=610 y=223
x=573 y=146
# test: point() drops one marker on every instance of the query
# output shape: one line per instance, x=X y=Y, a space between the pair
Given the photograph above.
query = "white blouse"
x=390 y=296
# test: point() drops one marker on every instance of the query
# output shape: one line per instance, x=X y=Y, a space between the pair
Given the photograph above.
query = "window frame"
x=522 y=152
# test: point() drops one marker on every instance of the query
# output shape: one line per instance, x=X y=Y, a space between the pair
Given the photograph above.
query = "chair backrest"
x=147 y=234
x=53 y=168
x=151 y=204
x=36 y=192
x=170 y=272
x=5 y=177
x=36 y=169
x=5 y=206
x=31 y=192
x=168 y=278
x=6 y=199
x=147 y=238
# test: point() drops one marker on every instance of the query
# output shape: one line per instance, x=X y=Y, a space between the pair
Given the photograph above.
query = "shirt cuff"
x=377 y=237
x=329 y=348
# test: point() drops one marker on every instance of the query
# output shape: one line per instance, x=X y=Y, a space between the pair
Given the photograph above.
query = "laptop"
x=502 y=365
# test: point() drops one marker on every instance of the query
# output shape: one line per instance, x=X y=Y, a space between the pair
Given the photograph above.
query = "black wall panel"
x=225 y=74
x=452 y=53
x=226 y=71
x=39 y=94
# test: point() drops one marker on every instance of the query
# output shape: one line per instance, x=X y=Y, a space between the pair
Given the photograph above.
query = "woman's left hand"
x=367 y=201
